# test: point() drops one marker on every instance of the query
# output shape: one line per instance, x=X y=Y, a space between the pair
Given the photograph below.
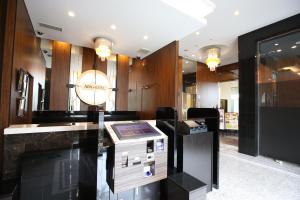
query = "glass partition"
x=278 y=97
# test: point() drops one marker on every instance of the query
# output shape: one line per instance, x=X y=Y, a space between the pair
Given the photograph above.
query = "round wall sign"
x=93 y=87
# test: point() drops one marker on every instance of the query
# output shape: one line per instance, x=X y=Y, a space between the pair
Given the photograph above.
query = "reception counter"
x=28 y=138
x=49 y=127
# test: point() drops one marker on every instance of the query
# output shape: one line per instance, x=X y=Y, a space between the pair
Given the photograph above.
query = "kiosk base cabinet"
x=182 y=186
x=134 y=162
x=195 y=156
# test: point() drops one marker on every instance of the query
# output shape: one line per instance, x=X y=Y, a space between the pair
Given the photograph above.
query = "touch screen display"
x=134 y=130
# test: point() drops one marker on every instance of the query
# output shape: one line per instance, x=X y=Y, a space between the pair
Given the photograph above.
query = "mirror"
x=189 y=96
x=64 y=65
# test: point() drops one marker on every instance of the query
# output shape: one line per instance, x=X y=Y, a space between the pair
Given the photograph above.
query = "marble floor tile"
x=245 y=177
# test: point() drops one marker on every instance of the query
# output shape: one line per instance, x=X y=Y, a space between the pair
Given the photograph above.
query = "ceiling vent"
x=143 y=51
x=55 y=28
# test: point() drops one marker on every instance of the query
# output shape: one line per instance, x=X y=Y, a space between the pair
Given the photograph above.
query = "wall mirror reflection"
x=189 y=94
x=65 y=63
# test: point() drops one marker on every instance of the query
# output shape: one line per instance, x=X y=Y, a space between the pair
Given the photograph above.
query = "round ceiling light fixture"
x=103 y=47
x=213 y=58
x=93 y=87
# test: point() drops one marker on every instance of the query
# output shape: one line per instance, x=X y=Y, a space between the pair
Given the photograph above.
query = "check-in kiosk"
x=138 y=155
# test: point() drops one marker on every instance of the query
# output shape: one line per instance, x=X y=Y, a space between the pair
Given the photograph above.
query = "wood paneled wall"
x=26 y=55
x=88 y=59
x=8 y=19
x=60 y=72
x=134 y=84
x=153 y=81
x=122 y=83
x=20 y=50
x=207 y=87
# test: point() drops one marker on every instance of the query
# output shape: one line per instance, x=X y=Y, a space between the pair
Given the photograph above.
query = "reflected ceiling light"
x=197 y=9
x=293 y=47
x=213 y=58
x=146 y=37
x=197 y=33
x=236 y=13
x=103 y=48
x=292 y=68
x=278 y=50
x=276 y=44
x=186 y=62
x=71 y=14
x=113 y=27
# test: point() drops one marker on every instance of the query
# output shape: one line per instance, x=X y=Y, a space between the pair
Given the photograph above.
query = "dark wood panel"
x=226 y=68
x=134 y=84
x=7 y=37
x=248 y=134
x=122 y=83
x=156 y=75
x=206 y=87
x=60 y=72
x=88 y=58
x=100 y=65
x=149 y=100
x=162 y=68
x=27 y=56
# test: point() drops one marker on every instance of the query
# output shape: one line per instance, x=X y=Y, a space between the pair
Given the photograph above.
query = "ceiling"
x=223 y=27
x=133 y=19
x=161 y=23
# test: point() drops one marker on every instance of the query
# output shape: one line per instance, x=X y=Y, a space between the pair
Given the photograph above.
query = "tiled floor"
x=229 y=139
x=245 y=177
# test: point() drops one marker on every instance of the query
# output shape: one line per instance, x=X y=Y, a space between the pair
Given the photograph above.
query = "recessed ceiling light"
x=197 y=33
x=146 y=37
x=236 y=13
x=193 y=55
x=182 y=71
x=200 y=58
x=278 y=50
x=293 y=47
x=186 y=62
x=71 y=14
x=276 y=44
x=113 y=27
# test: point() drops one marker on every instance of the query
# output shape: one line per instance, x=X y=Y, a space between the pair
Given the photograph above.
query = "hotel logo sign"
x=93 y=87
